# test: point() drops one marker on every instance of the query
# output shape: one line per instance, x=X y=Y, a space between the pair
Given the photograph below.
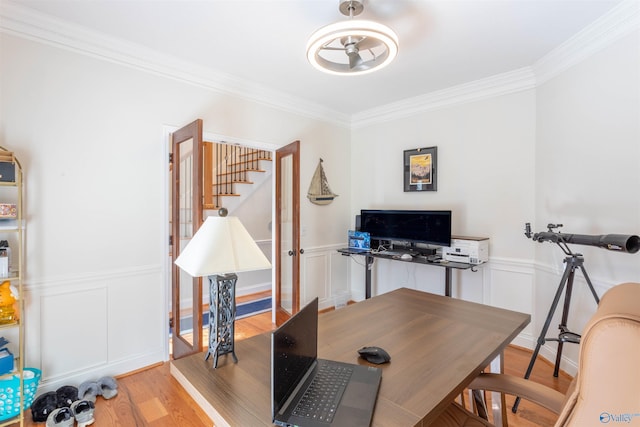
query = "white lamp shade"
x=221 y=245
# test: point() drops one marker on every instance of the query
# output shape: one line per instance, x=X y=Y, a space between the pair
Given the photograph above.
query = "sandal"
x=83 y=412
x=108 y=387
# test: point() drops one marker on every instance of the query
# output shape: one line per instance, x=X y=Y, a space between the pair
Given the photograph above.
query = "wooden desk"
x=437 y=346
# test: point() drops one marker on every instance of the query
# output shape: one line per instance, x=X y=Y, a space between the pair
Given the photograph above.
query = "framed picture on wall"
x=421 y=169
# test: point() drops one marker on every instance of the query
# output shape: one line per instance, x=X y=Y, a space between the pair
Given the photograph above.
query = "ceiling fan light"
x=358 y=29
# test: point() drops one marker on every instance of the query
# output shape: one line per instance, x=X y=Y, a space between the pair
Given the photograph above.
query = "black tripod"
x=573 y=261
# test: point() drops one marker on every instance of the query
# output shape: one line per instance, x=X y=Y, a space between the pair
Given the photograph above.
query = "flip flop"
x=83 y=412
x=108 y=387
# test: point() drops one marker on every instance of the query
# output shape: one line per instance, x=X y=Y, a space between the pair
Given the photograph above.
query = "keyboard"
x=323 y=395
x=391 y=253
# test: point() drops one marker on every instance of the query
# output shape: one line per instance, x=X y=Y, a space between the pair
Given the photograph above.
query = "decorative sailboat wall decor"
x=319 y=191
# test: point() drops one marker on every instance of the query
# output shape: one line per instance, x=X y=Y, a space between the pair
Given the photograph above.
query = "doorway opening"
x=251 y=198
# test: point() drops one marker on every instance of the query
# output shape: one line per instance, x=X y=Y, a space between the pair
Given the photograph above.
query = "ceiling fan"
x=352 y=47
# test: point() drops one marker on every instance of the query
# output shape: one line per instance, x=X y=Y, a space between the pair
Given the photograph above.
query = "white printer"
x=469 y=250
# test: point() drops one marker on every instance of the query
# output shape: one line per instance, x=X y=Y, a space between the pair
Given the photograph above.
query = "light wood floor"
x=152 y=397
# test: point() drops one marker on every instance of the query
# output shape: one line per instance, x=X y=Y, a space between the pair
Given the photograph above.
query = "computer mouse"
x=406 y=256
x=374 y=355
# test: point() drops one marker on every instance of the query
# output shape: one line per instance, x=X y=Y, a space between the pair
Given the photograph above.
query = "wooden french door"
x=186 y=218
x=287 y=301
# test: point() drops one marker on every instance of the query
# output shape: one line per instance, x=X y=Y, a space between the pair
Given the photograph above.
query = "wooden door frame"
x=293 y=149
x=182 y=347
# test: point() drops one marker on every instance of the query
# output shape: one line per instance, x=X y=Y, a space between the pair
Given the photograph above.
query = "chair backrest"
x=606 y=389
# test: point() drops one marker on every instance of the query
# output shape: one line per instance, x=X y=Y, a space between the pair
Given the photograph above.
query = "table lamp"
x=220 y=248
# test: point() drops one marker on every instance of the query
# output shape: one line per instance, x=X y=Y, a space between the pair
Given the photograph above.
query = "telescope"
x=612 y=242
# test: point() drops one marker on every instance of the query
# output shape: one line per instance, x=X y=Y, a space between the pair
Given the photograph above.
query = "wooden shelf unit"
x=12 y=230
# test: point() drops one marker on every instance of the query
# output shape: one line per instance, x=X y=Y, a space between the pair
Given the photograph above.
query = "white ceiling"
x=443 y=43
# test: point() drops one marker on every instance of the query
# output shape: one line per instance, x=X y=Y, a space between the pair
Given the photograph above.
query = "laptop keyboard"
x=323 y=395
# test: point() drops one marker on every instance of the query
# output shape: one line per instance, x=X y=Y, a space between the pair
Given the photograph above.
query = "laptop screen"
x=359 y=240
x=294 y=348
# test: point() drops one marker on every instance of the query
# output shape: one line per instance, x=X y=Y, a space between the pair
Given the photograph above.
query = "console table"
x=369 y=257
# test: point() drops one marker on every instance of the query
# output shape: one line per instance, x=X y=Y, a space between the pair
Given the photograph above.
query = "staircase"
x=226 y=168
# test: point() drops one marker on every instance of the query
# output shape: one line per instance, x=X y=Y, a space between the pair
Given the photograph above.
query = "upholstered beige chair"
x=606 y=389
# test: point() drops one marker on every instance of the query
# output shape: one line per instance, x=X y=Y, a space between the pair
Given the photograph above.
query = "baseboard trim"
x=130 y=365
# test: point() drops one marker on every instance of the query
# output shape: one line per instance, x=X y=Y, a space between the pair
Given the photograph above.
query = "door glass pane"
x=286 y=233
x=185 y=202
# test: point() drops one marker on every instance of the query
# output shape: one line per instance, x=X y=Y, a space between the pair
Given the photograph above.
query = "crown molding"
x=26 y=23
x=501 y=84
x=617 y=23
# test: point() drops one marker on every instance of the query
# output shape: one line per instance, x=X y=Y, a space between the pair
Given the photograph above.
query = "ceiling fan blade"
x=367 y=43
x=354 y=60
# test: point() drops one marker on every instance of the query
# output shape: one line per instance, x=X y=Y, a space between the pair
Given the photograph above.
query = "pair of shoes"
x=80 y=411
x=105 y=387
x=46 y=403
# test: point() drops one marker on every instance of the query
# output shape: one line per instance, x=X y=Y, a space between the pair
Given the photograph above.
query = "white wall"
x=486 y=177
x=587 y=176
x=566 y=151
x=485 y=161
x=89 y=134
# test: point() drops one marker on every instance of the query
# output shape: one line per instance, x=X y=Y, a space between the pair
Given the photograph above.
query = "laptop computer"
x=359 y=241
x=296 y=373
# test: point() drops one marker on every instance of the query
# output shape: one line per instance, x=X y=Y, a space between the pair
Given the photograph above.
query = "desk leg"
x=447 y=281
x=368 y=265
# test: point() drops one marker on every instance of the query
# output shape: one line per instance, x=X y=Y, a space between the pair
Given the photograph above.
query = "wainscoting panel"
x=339 y=271
x=470 y=285
x=388 y=275
x=314 y=277
x=324 y=273
x=85 y=327
x=124 y=310
x=73 y=332
x=511 y=285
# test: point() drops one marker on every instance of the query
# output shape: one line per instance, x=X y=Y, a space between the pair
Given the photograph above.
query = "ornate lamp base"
x=222 y=316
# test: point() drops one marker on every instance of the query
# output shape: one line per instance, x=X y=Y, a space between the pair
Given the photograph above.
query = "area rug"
x=245 y=309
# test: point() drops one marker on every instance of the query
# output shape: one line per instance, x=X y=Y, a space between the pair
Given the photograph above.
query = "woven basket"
x=10 y=393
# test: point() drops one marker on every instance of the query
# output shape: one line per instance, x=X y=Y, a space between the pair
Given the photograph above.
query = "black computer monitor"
x=415 y=226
